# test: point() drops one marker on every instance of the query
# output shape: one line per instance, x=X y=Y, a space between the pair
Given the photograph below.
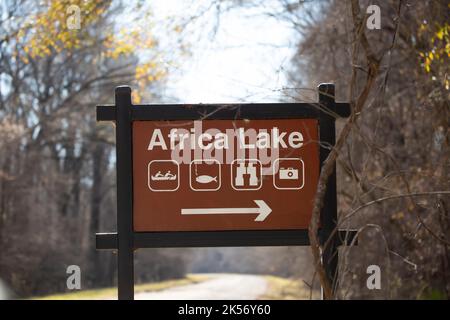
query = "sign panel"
x=211 y=175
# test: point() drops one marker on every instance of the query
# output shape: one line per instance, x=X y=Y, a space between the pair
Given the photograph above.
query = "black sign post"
x=126 y=240
x=124 y=194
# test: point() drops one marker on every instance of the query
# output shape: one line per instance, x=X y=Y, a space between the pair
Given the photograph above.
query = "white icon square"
x=237 y=177
x=289 y=174
x=163 y=177
x=206 y=178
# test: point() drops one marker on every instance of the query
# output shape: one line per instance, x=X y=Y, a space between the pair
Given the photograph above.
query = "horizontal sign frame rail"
x=253 y=111
x=184 y=239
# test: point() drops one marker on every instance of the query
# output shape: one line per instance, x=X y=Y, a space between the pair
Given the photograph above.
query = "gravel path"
x=219 y=287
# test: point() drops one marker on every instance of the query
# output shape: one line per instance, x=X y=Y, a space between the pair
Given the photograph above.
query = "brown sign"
x=224 y=174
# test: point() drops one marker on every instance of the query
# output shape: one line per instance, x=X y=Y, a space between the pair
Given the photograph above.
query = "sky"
x=242 y=62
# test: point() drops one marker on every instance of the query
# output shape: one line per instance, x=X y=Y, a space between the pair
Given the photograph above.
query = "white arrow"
x=263 y=210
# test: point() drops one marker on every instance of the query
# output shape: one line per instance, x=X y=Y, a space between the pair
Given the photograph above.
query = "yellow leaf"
x=135 y=97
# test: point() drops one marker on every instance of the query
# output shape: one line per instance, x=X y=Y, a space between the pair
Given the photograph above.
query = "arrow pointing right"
x=263 y=210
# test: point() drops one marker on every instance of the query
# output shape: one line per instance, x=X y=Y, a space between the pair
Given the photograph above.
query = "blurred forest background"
x=57 y=166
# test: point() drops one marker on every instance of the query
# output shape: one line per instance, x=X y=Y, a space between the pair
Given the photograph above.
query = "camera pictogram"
x=289 y=173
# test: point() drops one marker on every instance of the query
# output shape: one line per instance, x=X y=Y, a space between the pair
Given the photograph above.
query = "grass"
x=111 y=293
x=287 y=289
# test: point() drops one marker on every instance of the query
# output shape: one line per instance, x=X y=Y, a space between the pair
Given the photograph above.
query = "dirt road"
x=219 y=286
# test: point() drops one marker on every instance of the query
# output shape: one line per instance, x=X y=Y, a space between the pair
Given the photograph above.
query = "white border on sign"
x=260 y=174
x=163 y=190
x=201 y=161
x=303 y=173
